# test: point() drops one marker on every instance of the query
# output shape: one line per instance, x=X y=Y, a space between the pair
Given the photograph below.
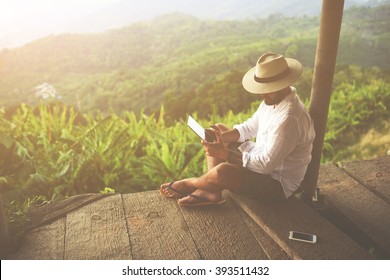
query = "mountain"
x=180 y=61
x=126 y=12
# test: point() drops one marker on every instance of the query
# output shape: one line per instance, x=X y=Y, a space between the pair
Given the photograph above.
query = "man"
x=270 y=169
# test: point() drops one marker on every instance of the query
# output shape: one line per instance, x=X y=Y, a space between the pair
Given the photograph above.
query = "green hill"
x=179 y=61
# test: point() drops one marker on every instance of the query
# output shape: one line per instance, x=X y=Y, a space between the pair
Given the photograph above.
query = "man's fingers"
x=215 y=127
x=219 y=137
x=205 y=143
x=218 y=133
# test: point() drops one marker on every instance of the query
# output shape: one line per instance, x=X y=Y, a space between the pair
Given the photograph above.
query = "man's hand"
x=217 y=148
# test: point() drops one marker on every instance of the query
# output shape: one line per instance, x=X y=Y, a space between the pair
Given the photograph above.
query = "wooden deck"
x=147 y=226
x=360 y=192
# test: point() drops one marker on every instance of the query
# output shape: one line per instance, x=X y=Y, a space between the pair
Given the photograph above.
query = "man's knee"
x=225 y=174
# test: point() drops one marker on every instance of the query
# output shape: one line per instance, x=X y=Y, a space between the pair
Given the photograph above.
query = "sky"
x=23 y=13
x=22 y=21
x=21 y=18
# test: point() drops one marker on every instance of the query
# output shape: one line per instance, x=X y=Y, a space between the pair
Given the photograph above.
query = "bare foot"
x=177 y=189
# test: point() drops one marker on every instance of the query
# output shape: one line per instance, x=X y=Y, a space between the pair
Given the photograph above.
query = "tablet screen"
x=197 y=128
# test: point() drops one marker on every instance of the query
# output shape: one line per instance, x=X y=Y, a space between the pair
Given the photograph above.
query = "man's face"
x=272 y=98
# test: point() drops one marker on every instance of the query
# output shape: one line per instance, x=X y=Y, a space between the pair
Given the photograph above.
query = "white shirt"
x=284 y=140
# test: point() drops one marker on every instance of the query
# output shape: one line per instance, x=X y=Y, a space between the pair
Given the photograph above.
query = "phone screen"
x=197 y=128
x=303 y=236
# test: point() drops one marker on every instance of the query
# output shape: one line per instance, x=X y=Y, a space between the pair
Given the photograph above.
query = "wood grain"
x=43 y=243
x=220 y=233
x=269 y=246
x=373 y=174
x=157 y=229
x=98 y=231
x=363 y=207
x=148 y=226
x=278 y=219
x=41 y=215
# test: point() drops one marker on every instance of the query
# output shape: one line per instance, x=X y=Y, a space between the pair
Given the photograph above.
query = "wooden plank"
x=98 y=231
x=373 y=174
x=44 y=214
x=220 y=233
x=43 y=243
x=278 y=219
x=269 y=246
x=368 y=211
x=157 y=229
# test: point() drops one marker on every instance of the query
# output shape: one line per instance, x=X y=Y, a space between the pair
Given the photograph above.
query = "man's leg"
x=214 y=194
x=222 y=176
x=186 y=186
x=210 y=185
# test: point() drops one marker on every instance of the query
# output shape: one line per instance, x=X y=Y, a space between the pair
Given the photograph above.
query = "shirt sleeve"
x=279 y=144
x=249 y=128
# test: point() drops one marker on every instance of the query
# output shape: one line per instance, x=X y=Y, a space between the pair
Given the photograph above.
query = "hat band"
x=273 y=78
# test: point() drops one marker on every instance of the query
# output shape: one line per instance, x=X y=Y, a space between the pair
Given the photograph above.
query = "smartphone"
x=199 y=130
x=301 y=236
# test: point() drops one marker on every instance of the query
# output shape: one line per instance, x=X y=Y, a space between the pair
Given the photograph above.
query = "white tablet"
x=197 y=128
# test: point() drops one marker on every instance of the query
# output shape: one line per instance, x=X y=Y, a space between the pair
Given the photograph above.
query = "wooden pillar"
x=324 y=65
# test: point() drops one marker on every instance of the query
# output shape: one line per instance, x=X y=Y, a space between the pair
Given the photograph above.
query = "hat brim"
x=252 y=86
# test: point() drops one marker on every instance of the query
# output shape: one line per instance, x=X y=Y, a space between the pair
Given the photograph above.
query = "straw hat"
x=272 y=72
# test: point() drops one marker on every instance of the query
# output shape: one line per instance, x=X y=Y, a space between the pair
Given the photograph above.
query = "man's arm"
x=233 y=156
x=279 y=144
x=227 y=136
x=218 y=148
x=230 y=136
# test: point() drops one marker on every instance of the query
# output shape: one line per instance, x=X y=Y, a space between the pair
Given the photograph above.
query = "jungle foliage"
x=52 y=151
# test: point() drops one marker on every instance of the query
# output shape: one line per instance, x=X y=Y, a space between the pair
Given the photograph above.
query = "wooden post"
x=4 y=234
x=324 y=65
